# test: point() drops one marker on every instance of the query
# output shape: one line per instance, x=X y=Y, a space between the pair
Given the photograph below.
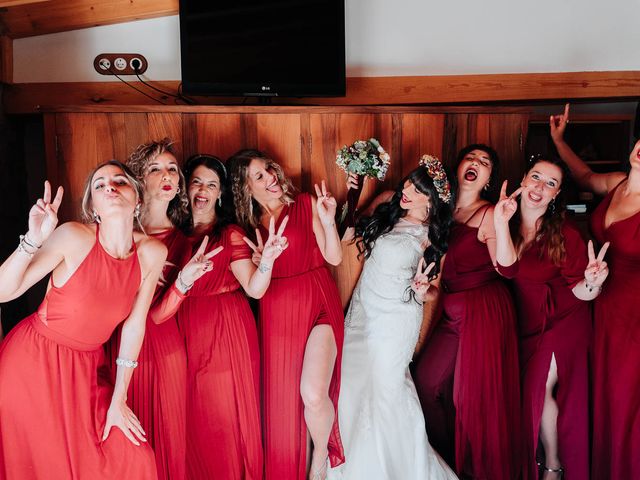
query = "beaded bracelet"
x=123 y=362
x=182 y=284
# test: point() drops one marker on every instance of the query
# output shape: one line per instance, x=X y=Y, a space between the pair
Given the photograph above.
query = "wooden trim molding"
x=31 y=19
x=437 y=90
x=6 y=60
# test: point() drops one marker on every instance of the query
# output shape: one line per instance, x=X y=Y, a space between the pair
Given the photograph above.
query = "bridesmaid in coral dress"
x=223 y=399
x=467 y=375
x=301 y=320
x=157 y=392
x=553 y=279
x=57 y=407
x=616 y=382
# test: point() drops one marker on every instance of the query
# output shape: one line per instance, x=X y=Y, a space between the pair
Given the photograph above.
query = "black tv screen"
x=293 y=48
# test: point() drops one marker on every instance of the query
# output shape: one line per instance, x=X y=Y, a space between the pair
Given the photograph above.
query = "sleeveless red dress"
x=54 y=382
x=223 y=383
x=302 y=295
x=467 y=375
x=552 y=320
x=616 y=418
x=157 y=391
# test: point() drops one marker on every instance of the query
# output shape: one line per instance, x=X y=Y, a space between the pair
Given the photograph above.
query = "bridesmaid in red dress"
x=223 y=399
x=467 y=374
x=157 y=392
x=616 y=382
x=553 y=280
x=57 y=406
x=301 y=320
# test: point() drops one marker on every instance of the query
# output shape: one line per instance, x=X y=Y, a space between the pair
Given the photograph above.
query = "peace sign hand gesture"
x=325 y=204
x=275 y=244
x=421 y=283
x=506 y=206
x=597 y=269
x=199 y=264
x=558 y=124
x=43 y=216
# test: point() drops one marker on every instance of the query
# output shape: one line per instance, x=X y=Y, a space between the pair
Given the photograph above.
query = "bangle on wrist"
x=24 y=238
x=181 y=284
x=123 y=362
x=27 y=246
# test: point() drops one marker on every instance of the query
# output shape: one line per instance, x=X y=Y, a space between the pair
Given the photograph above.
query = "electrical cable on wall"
x=134 y=87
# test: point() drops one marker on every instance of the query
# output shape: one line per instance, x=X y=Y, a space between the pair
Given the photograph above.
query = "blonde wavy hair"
x=138 y=162
x=248 y=210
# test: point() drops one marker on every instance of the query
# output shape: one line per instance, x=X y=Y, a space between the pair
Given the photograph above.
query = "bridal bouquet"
x=365 y=158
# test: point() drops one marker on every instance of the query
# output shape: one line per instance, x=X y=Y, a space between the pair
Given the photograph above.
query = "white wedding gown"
x=381 y=422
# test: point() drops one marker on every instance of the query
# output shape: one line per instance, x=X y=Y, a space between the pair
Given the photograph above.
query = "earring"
x=96 y=217
x=220 y=201
x=486 y=187
x=136 y=211
x=178 y=191
x=552 y=205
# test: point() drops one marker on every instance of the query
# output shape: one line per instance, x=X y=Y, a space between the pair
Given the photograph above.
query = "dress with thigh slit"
x=302 y=295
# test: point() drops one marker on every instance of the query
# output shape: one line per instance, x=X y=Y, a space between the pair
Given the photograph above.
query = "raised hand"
x=558 y=124
x=597 y=269
x=352 y=180
x=325 y=204
x=276 y=243
x=257 y=249
x=506 y=206
x=43 y=216
x=200 y=263
x=120 y=415
x=420 y=284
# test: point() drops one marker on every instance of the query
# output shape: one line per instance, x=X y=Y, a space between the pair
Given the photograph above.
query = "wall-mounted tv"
x=291 y=48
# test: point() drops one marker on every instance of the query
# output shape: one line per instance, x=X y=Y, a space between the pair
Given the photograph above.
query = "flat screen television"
x=290 y=48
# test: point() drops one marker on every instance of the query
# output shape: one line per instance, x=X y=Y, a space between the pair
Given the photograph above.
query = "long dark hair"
x=224 y=211
x=387 y=214
x=550 y=230
x=491 y=192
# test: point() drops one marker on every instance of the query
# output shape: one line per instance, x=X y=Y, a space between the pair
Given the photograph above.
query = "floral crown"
x=436 y=172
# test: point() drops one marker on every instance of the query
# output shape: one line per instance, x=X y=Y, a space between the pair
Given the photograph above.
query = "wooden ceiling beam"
x=63 y=15
x=454 y=89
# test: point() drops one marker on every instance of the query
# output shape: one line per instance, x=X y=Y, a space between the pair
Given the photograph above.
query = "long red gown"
x=302 y=295
x=616 y=419
x=157 y=392
x=467 y=374
x=223 y=382
x=552 y=320
x=54 y=380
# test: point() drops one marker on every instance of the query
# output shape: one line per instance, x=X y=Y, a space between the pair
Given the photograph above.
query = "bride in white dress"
x=381 y=422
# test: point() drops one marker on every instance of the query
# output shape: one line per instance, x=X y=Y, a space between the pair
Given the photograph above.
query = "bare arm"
x=505 y=253
x=349 y=234
x=431 y=302
x=40 y=252
x=599 y=183
x=324 y=225
x=152 y=255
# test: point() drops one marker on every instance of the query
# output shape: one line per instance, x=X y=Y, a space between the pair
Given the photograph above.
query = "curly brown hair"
x=138 y=162
x=248 y=211
x=550 y=229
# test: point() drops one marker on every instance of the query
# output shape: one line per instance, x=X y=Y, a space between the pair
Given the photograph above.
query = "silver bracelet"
x=31 y=243
x=263 y=268
x=182 y=284
x=25 y=251
x=123 y=362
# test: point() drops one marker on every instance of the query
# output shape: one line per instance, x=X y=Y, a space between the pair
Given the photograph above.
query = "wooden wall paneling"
x=83 y=141
x=279 y=136
x=6 y=59
x=508 y=135
x=161 y=125
x=219 y=135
